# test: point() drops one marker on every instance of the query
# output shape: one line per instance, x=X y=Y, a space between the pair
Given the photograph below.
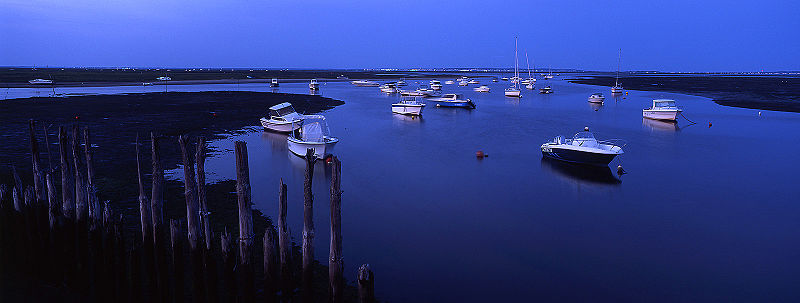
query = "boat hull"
x=321 y=150
x=616 y=90
x=663 y=115
x=406 y=109
x=457 y=104
x=577 y=156
x=513 y=93
x=282 y=127
x=597 y=100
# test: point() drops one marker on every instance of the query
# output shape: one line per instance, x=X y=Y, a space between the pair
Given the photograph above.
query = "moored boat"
x=597 y=98
x=282 y=118
x=662 y=109
x=313 y=85
x=408 y=106
x=312 y=132
x=40 y=81
x=449 y=82
x=436 y=85
x=453 y=100
x=274 y=83
x=365 y=83
x=482 y=89
x=473 y=81
x=546 y=90
x=582 y=148
x=389 y=88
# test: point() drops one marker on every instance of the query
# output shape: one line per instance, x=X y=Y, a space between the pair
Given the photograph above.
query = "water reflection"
x=595 y=106
x=406 y=119
x=658 y=125
x=580 y=173
x=314 y=92
x=321 y=167
x=276 y=141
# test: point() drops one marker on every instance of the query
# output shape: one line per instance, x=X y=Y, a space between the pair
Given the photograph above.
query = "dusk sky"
x=665 y=35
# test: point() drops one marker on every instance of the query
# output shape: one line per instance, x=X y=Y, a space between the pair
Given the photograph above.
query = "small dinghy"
x=388 y=88
x=436 y=85
x=473 y=81
x=597 y=98
x=582 y=148
x=311 y=132
x=365 y=83
x=662 y=109
x=453 y=100
x=274 y=83
x=449 y=82
x=408 y=106
x=482 y=89
x=282 y=118
x=546 y=90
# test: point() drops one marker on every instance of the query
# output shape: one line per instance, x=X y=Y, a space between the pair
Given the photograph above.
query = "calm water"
x=705 y=213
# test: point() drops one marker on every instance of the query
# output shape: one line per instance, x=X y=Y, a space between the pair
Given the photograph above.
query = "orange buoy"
x=709 y=124
x=480 y=154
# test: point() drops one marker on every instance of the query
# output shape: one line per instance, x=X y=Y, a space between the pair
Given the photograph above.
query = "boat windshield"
x=663 y=103
x=585 y=139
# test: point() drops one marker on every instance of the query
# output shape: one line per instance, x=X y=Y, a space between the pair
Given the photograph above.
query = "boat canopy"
x=585 y=139
x=663 y=103
x=313 y=129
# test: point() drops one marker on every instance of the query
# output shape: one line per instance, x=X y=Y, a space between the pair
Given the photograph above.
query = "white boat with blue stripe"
x=582 y=148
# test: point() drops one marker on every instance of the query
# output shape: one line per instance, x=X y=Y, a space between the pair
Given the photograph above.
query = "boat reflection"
x=321 y=167
x=276 y=141
x=661 y=126
x=315 y=92
x=581 y=173
x=406 y=119
x=595 y=106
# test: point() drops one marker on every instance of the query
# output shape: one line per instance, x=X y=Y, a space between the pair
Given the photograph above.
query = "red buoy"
x=480 y=154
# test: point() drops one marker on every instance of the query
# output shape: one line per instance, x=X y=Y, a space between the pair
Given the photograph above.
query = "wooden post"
x=177 y=260
x=156 y=201
x=308 y=228
x=144 y=205
x=47 y=145
x=336 y=266
x=67 y=187
x=201 y=191
x=87 y=148
x=284 y=240
x=245 y=220
x=52 y=202
x=95 y=211
x=192 y=208
x=81 y=207
x=38 y=185
x=270 y=266
x=366 y=284
x=228 y=265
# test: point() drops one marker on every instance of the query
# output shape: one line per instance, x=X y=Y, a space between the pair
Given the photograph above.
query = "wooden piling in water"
x=228 y=266
x=308 y=228
x=144 y=205
x=192 y=208
x=244 y=197
x=284 y=241
x=38 y=184
x=177 y=261
x=81 y=206
x=336 y=266
x=67 y=187
x=160 y=234
x=95 y=209
x=201 y=191
x=271 y=269
x=47 y=147
x=366 y=284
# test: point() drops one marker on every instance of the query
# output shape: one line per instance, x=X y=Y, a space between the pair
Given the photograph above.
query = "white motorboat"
x=282 y=118
x=597 y=98
x=400 y=83
x=546 y=90
x=40 y=81
x=453 y=100
x=410 y=93
x=514 y=91
x=436 y=85
x=473 y=81
x=583 y=148
x=427 y=92
x=274 y=83
x=312 y=132
x=482 y=89
x=408 y=106
x=617 y=88
x=463 y=83
x=449 y=82
x=147 y=84
x=163 y=78
x=529 y=86
x=662 y=109
x=504 y=78
x=494 y=80
x=313 y=85
x=365 y=83
x=389 y=88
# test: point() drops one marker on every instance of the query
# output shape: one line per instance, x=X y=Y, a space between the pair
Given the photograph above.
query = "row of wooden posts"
x=80 y=243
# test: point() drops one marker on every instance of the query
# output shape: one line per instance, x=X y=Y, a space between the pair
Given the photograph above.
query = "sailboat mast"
x=528 y=63
x=516 y=65
x=619 y=58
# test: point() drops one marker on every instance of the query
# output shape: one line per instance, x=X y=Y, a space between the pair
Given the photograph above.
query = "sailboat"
x=531 y=80
x=549 y=74
x=617 y=89
x=514 y=91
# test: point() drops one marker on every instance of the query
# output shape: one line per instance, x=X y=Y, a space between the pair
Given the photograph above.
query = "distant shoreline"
x=764 y=93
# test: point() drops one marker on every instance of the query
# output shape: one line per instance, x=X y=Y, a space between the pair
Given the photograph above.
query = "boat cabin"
x=664 y=103
x=284 y=112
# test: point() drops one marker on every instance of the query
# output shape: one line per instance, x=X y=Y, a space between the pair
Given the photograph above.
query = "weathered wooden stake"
x=95 y=210
x=192 y=208
x=271 y=269
x=81 y=207
x=308 y=228
x=336 y=266
x=47 y=145
x=38 y=184
x=156 y=201
x=177 y=260
x=201 y=191
x=245 y=220
x=366 y=284
x=67 y=187
x=144 y=205
x=284 y=241
x=228 y=265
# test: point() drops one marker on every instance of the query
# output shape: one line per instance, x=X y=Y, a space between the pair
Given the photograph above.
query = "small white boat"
x=312 y=132
x=473 y=81
x=546 y=90
x=449 y=82
x=282 y=118
x=147 y=84
x=365 y=83
x=400 y=83
x=436 y=85
x=40 y=81
x=482 y=89
x=515 y=79
x=164 y=78
x=529 y=86
x=617 y=88
x=494 y=80
x=274 y=83
x=504 y=78
x=513 y=92
x=463 y=83
x=582 y=148
x=411 y=93
x=427 y=92
x=313 y=85
x=453 y=100
x=662 y=109
x=597 y=98
x=408 y=106
x=388 y=88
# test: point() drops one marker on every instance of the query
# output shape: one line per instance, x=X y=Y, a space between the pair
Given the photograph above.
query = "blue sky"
x=659 y=35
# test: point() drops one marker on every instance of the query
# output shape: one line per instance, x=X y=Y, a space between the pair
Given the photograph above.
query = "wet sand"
x=767 y=93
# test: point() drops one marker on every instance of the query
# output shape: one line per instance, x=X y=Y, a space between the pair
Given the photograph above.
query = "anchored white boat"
x=436 y=85
x=388 y=88
x=410 y=93
x=597 y=98
x=408 y=106
x=514 y=91
x=482 y=89
x=274 y=83
x=427 y=92
x=163 y=78
x=453 y=100
x=617 y=88
x=312 y=132
x=473 y=81
x=463 y=83
x=662 y=109
x=313 y=85
x=282 y=118
x=529 y=86
x=582 y=148
x=40 y=81
x=449 y=82
x=400 y=83
x=365 y=83
x=504 y=78
x=546 y=90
